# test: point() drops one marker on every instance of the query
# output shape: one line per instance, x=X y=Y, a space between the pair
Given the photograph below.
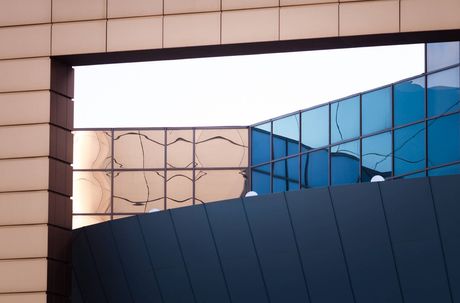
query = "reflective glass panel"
x=345 y=119
x=92 y=192
x=444 y=92
x=417 y=175
x=260 y=179
x=139 y=149
x=315 y=128
x=442 y=54
x=444 y=140
x=409 y=150
x=179 y=148
x=179 y=188
x=376 y=110
x=260 y=145
x=409 y=101
x=286 y=175
x=286 y=136
x=92 y=149
x=138 y=191
x=216 y=185
x=85 y=220
x=345 y=163
x=377 y=157
x=315 y=169
x=221 y=148
x=445 y=171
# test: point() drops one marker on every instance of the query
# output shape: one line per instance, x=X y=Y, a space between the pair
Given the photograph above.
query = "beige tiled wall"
x=36 y=92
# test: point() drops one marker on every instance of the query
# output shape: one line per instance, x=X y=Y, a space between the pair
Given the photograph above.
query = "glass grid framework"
x=434 y=139
x=122 y=172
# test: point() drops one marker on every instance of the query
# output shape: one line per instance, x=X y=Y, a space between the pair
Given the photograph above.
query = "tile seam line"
x=297 y=247
x=217 y=253
x=150 y=258
x=120 y=261
x=187 y=272
x=441 y=243
x=259 y=263
x=341 y=244
x=387 y=227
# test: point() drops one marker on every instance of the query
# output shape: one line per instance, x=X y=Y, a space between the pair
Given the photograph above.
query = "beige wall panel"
x=123 y=8
x=25 y=107
x=24 y=208
x=79 y=37
x=25 y=41
x=27 y=241
x=15 y=12
x=23 y=275
x=23 y=298
x=309 y=21
x=190 y=6
x=191 y=29
x=134 y=33
x=421 y=15
x=369 y=17
x=242 y=4
x=24 y=174
x=24 y=74
x=300 y=2
x=250 y=25
x=74 y=10
x=25 y=141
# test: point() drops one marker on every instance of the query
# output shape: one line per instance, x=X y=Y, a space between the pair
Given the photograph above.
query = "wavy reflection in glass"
x=221 y=148
x=139 y=149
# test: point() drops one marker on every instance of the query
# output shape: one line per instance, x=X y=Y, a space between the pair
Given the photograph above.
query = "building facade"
x=42 y=39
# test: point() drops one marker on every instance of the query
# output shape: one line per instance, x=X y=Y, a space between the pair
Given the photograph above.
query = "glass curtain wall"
x=404 y=130
x=121 y=172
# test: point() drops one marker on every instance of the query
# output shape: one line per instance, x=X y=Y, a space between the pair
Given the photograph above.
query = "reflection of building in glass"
x=118 y=172
x=405 y=130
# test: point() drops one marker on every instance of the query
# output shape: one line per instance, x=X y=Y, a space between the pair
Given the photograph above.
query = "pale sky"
x=236 y=90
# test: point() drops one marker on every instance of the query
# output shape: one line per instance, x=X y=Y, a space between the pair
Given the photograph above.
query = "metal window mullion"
x=272 y=156
x=360 y=140
x=193 y=166
x=112 y=175
x=165 y=178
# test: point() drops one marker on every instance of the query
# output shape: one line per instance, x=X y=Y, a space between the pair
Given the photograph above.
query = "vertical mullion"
x=165 y=171
x=360 y=141
x=299 y=160
x=392 y=130
x=271 y=156
x=193 y=166
x=112 y=175
x=249 y=171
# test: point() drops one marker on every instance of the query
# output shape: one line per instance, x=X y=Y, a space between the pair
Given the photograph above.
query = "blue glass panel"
x=442 y=54
x=377 y=156
x=413 y=176
x=286 y=130
x=286 y=175
x=315 y=169
x=345 y=163
x=444 y=140
x=409 y=101
x=444 y=92
x=445 y=171
x=315 y=128
x=345 y=120
x=409 y=149
x=376 y=110
x=261 y=179
x=260 y=145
